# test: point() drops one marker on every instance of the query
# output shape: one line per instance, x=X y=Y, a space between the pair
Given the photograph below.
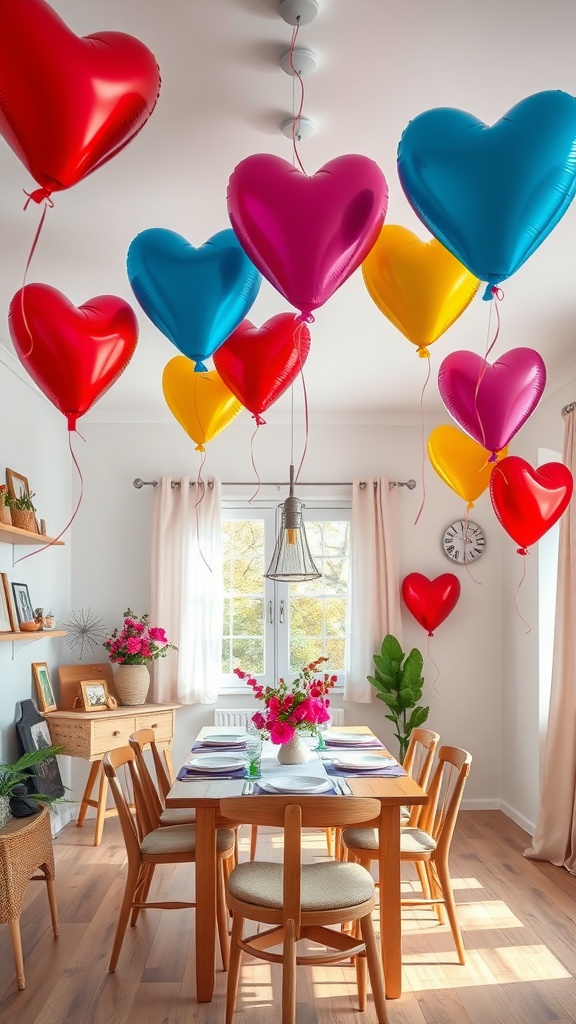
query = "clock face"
x=463 y=541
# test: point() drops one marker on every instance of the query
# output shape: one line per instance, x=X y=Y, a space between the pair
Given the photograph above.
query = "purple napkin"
x=389 y=771
x=355 y=746
x=199 y=745
x=186 y=774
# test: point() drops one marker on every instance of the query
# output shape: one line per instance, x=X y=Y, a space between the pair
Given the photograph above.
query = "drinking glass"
x=320 y=730
x=253 y=749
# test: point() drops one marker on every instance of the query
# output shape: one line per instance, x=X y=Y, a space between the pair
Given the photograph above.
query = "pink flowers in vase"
x=301 y=705
x=137 y=642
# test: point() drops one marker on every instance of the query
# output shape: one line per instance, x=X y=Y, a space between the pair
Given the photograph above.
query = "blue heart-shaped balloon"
x=196 y=297
x=491 y=194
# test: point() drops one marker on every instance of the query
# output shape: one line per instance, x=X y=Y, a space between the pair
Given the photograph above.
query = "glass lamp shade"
x=292 y=561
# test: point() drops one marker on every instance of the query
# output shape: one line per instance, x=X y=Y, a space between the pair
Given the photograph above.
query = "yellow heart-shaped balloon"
x=419 y=286
x=461 y=462
x=201 y=402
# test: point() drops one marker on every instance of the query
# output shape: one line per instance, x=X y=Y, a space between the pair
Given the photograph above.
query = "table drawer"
x=111 y=733
x=161 y=722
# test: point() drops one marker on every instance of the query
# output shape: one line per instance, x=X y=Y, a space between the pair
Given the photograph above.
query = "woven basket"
x=24 y=520
x=132 y=683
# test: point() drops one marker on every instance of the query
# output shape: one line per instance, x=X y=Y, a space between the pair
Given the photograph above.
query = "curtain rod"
x=568 y=408
x=410 y=484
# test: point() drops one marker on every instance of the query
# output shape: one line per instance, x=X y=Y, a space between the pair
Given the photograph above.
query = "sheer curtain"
x=374 y=581
x=188 y=590
x=555 y=836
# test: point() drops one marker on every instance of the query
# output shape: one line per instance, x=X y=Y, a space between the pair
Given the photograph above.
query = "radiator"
x=241 y=716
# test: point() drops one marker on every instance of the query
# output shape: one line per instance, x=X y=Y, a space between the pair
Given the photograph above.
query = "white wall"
x=111 y=558
x=35 y=444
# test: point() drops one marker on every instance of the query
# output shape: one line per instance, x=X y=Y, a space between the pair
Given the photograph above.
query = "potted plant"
x=5 y=516
x=17 y=775
x=22 y=508
x=399 y=683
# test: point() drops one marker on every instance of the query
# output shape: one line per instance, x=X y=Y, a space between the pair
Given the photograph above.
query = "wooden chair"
x=302 y=901
x=148 y=846
x=429 y=842
x=145 y=739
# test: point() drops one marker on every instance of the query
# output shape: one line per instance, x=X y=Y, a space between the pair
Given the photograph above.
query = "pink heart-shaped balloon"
x=259 y=363
x=307 y=234
x=529 y=501
x=73 y=354
x=491 y=401
x=430 y=601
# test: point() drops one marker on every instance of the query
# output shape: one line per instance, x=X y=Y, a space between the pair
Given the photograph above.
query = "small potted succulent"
x=22 y=508
x=5 y=516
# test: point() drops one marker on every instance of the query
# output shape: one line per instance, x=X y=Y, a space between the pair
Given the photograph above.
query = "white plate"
x=224 y=739
x=348 y=739
x=295 y=784
x=364 y=762
x=216 y=762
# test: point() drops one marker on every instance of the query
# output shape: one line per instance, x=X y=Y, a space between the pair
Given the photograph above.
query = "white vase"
x=132 y=683
x=296 y=751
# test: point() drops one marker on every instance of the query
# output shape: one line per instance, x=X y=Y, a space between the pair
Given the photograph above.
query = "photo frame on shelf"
x=17 y=484
x=94 y=694
x=8 y=620
x=22 y=603
x=46 y=698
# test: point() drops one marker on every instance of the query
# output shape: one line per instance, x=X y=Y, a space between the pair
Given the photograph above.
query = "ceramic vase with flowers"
x=132 y=648
x=293 y=710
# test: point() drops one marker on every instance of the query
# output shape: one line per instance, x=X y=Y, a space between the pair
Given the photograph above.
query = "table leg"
x=86 y=796
x=205 y=902
x=14 y=927
x=390 y=909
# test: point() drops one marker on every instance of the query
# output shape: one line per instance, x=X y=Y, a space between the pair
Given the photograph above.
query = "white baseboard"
x=485 y=804
x=510 y=812
x=61 y=816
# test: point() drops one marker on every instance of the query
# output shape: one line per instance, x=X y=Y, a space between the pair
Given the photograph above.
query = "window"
x=271 y=629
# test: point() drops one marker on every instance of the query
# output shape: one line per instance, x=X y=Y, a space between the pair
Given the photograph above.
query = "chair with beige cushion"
x=145 y=739
x=428 y=843
x=148 y=846
x=296 y=901
x=417 y=762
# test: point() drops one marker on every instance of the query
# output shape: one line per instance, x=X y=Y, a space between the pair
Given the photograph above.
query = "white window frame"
x=316 y=509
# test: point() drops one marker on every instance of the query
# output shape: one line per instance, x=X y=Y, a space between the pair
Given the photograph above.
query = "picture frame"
x=94 y=693
x=8 y=620
x=33 y=733
x=22 y=603
x=46 y=698
x=17 y=484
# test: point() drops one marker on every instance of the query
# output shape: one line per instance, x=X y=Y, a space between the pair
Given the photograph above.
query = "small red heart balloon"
x=529 y=501
x=69 y=104
x=430 y=601
x=259 y=364
x=73 y=354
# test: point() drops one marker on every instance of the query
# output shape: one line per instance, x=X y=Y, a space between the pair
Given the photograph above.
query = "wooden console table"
x=25 y=847
x=91 y=734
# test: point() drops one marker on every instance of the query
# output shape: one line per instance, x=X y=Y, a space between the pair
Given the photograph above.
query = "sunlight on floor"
x=507 y=965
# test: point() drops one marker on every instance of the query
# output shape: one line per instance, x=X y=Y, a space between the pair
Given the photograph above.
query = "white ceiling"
x=224 y=97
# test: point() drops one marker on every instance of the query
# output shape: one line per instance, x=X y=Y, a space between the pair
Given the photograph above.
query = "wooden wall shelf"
x=39 y=634
x=14 y=535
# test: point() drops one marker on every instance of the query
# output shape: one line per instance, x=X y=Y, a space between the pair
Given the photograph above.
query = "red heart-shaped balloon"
x=430 y=601
x=69 y=104
x=258 y=364
x=73 y=353
x=307 y=233
x=529 y=501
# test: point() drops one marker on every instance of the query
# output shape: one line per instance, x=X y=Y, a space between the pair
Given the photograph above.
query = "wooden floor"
x=518 y=919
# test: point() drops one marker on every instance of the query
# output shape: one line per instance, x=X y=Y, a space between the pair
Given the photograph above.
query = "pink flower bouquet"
x=301 y=705
x=137 y=642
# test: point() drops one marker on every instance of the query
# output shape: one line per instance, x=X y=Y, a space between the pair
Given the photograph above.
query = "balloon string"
x=48 y=202
x=497 y=296
x=437 y=676
x=466 y=562
x=522 y=551
x=305 y=393
x=74 y=514
x=258 y=421
x=201 y=494
x=423 y=443
x=296 y=119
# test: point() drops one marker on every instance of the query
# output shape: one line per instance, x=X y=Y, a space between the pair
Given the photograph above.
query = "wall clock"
x=463 y=541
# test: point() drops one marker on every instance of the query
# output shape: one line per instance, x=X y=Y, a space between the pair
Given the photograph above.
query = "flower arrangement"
x=137 y=642
x=301 y=705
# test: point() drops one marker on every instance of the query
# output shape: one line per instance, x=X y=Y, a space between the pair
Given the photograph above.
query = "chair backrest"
x=293 y=814
x=418 y=763
x=444 y=795
x=134 y=824
x=141 y=740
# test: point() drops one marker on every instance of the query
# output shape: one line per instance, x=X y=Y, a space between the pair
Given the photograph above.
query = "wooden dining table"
x=204 y=794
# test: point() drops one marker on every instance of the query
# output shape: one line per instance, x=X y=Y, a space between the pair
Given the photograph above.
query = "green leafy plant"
x=399 y=683
x=12 y=775
x=22 y=502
